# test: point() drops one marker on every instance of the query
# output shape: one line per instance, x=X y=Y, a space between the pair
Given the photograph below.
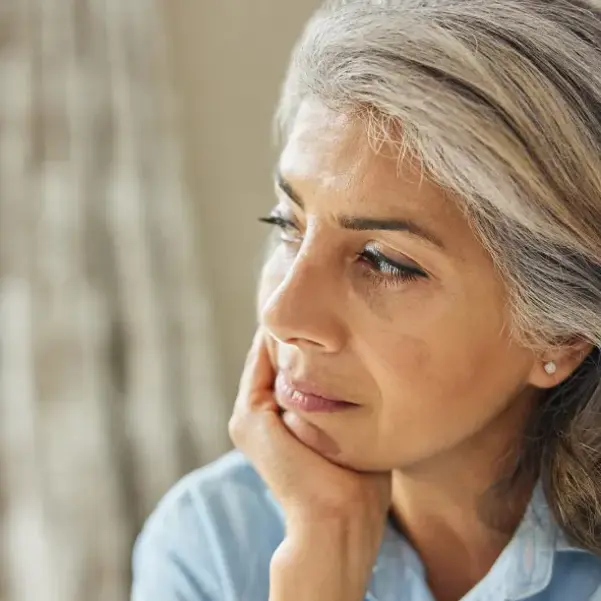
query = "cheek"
x=400 y=365
x=438 y=394
x=423 y=383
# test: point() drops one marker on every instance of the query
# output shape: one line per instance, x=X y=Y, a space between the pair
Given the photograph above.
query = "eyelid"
x=398 y=258
x=285 y=204
x=287 y=211
x=289 y=228
x=284 y=214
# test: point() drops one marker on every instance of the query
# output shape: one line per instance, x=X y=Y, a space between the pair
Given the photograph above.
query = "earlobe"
x=546 y=374
x=558 y=365
x=550 y=367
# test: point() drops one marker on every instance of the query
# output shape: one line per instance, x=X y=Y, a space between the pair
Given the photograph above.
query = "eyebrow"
x=365 y=223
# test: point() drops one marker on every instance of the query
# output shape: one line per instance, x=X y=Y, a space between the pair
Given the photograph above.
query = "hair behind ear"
x=564 y=446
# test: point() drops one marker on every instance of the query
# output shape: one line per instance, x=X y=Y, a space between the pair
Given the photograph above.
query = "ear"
x=553 y=367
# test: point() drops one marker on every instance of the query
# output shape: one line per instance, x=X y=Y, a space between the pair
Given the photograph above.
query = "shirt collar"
x=523 y=569
x=539 y=537
x=531 y=552
x=398 y=568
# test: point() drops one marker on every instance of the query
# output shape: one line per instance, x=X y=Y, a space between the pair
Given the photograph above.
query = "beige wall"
x=229 y=57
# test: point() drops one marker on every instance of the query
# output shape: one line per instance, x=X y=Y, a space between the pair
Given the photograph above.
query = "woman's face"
x=379 y=293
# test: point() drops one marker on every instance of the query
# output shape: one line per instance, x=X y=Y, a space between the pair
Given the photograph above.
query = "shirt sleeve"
x=596 y=595
x=168 y=555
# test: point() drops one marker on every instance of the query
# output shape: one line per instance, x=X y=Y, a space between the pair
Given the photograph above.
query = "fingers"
x=257 y=428
x=295 y=459
x=282 y=461
x=258 y=376
x=311 y=436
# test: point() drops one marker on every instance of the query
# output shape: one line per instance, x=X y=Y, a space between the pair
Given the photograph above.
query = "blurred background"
x=135 y=156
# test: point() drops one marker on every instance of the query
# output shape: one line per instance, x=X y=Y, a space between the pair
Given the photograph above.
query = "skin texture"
x=441 y=391
x=334 y=516
x=429 y=361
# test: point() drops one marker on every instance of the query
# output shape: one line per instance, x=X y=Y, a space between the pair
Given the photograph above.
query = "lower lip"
x=294 y=400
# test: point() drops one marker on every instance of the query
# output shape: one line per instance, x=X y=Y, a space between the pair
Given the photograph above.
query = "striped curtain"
x=108 y=384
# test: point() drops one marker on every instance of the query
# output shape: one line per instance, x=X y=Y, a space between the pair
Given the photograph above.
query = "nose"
x=305 y=308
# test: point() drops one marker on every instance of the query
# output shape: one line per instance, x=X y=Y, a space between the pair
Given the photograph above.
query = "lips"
x=307 y=396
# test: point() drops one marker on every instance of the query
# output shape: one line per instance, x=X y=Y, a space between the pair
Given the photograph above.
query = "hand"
x=334 y=516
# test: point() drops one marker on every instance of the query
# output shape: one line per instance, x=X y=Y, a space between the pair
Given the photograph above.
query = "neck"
x=450 y=513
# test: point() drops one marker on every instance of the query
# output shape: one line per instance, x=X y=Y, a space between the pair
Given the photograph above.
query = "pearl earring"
x=550 y=367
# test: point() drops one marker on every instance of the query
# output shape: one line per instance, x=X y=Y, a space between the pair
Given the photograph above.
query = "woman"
x=420 y=414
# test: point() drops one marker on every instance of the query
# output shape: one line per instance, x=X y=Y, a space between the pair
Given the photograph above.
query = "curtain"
x=108 y=379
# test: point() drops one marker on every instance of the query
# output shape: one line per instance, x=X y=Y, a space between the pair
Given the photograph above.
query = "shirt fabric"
x=212 y=537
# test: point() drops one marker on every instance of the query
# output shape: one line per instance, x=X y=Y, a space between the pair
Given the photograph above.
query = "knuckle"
x=237 y=428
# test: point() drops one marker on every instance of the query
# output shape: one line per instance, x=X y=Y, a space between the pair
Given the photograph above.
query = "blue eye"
x=388 y=271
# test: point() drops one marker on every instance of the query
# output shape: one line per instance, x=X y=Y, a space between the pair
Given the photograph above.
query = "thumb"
x=259 y=374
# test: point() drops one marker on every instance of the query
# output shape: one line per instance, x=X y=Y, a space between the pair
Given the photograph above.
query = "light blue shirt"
x=213 y=535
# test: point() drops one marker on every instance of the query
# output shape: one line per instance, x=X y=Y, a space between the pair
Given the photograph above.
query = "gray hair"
x=500 y=100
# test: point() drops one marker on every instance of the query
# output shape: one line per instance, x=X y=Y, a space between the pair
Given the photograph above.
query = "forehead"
x=329 y=153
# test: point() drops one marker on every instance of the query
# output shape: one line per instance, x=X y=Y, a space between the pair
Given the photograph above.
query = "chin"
x=359 y=462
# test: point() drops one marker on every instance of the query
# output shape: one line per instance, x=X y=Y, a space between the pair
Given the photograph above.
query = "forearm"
x=332 y=564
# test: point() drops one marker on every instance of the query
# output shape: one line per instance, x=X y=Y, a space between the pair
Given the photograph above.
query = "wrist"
x=317 y=561
x=349 y=535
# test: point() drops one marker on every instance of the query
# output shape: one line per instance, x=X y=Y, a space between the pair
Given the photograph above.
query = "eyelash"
x=285 y=225
x=381 y=269
x=387 y=272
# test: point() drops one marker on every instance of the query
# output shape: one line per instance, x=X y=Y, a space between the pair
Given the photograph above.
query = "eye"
x=383 y=270
x=289 y=231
